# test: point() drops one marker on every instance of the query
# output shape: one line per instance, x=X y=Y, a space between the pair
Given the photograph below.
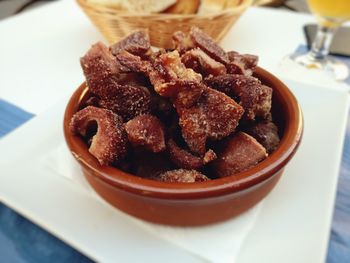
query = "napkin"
x=214 y=243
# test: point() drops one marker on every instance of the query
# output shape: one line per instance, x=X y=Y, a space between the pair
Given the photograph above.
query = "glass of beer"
x=330 y=15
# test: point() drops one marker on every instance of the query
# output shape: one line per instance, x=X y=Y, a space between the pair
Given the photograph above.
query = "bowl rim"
x=241 y=181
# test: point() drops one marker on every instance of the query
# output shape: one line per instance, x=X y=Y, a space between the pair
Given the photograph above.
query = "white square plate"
x=293 y=225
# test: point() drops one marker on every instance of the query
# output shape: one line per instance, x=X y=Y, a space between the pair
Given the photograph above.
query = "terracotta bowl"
x=194 y=203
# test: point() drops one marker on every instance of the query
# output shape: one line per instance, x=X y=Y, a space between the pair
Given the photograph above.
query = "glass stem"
x=322 y=42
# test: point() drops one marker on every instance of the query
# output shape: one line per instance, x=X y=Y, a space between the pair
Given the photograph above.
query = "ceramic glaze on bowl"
x=193 y=203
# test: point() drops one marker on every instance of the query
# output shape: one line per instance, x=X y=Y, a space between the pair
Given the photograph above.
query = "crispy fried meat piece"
x=182 y=42
x=254 y=97
x=175 y=69
x=241 y=63
x=208 y=45
x=240 y=153
x=147 y=131
x=266 y=133
x=175 y=75
x=187 y=160
x=189 y=94
x=202 y=63
x=214 y=117
x=168 y=75
x=182 y=176
x=157 y=74
x=103 y=78
x=134 y=63
x=109 y=144
x=127 y=101
x=222 y=83
x=101 y=69
x=137 y=43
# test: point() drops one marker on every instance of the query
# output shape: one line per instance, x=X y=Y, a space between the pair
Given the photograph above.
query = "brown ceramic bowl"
x=194 y=203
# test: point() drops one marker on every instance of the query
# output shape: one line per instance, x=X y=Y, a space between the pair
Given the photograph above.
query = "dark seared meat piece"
x=109 y=143
x=137 y=43
x=208 y=45
x=240 y=153
x=200 y=62
x=266 y=133
x=254 y=97
x=185 y=159
x=213 y=117
x=146 y=131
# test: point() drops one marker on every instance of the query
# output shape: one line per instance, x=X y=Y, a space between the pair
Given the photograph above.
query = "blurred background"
x=11 y=7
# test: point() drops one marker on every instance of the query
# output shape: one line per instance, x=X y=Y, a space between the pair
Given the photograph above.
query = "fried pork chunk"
x=240 y=153
x=254 y=97
x=136 y=43
x=185 y=159
x=266 y=133
x=200 y=62
x=197 y=38
x=103 y=76
x=213 y=117
x=168 y=75
x=146 y=131
x=101 y=69
x=105 y=130
x=243 y=64
x=208 y=45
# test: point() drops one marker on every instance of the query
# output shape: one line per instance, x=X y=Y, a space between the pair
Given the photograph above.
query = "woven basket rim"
x=102 y=8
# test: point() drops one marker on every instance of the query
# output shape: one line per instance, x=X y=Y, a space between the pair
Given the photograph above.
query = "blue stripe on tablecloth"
x=11 y=117
x=339 y=245
x=20 y=239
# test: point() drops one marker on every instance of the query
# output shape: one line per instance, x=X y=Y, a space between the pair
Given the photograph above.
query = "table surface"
x=39 y=66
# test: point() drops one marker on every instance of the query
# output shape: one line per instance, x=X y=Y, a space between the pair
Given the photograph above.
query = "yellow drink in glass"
x=331 y=12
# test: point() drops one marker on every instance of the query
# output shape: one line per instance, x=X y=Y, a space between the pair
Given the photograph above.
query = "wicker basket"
x=115 y=24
